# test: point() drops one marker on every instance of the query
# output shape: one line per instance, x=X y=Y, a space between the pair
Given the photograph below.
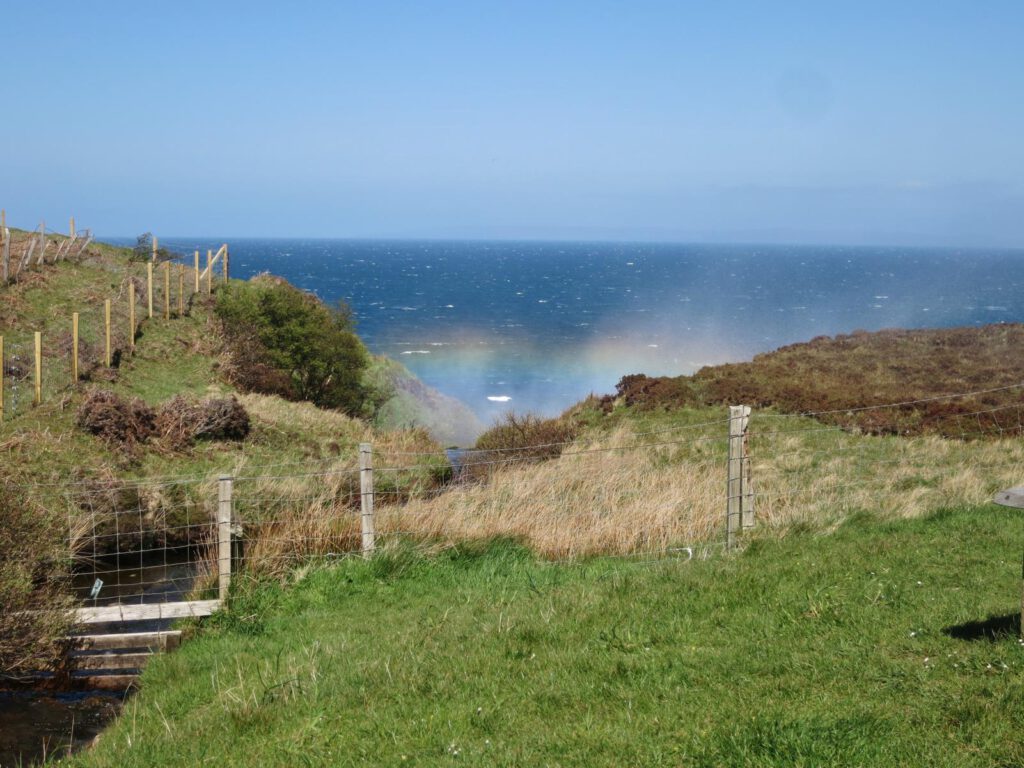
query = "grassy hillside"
x=863 y=369
x=171 y=357
x=413 y=403
x=886 y=644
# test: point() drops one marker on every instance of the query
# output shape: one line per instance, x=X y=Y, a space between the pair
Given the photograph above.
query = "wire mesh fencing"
x=681 y=491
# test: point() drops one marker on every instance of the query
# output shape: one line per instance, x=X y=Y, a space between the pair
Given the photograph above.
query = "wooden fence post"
x=154 y=249
x=738 y=418
x=181 y=290
x=225 y=263
x=197 y=271
x=131 y=314
x=38 y=395
x=42 y=242
x=5 y=233
x=209 y=271
x=107 y=357
x=167 y=290
x=71 y=228
x=1 y=379
x=366 y=497
x=224 y=489
x=149 y=287
x=74 y=347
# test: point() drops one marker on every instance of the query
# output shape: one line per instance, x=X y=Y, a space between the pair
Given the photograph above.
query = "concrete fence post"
x=366 y=497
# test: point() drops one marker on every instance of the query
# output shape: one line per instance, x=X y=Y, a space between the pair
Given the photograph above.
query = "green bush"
x=286 y=341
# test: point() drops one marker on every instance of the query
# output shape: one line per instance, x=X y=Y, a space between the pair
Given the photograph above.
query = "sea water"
x=536 y=326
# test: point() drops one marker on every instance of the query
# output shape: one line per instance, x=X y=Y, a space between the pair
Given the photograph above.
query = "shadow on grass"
x=992 y=629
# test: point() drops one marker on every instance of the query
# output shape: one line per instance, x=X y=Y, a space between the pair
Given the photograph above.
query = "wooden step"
x=151 y=641
x=109 y=660
x=145 y=612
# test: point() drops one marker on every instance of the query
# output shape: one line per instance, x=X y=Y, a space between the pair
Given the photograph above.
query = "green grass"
x=809 y=650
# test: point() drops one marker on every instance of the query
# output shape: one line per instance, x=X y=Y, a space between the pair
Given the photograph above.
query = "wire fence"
x=45 y=363
x=676 y=493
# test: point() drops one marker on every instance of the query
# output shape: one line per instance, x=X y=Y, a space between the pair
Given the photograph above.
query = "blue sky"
x=857 y=122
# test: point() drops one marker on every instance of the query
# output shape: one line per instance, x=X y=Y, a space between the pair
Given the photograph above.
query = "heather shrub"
x=181 y=421
x=121 y=423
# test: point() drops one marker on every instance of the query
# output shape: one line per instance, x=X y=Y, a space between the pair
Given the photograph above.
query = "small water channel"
x=36 y=723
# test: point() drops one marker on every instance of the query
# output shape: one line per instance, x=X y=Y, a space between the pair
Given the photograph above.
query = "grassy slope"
x=415 y=404
x=171 y=357
x=860 y=369
x=803 y=651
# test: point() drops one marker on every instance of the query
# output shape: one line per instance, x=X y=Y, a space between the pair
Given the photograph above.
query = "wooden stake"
x=225 y=263
x=167 y=290
x=74 y=347
x=38 y=398
x=224 y=535
x=5 y=236
x=131 y=314
x=71 y=228
x=1 y=379
x=154 y=248
x=738 y=417
x=149 y=287
x=366 y=497
x=197 y=271
x=181 y=290
x=209 y=272
x=108 y=358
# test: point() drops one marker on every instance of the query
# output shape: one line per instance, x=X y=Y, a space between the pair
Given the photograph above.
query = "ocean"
x=537 y=326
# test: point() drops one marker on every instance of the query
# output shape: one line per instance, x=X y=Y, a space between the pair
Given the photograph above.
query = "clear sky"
x=856 y=122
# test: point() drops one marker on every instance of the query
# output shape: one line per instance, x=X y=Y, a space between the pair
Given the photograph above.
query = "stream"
x=35 y=723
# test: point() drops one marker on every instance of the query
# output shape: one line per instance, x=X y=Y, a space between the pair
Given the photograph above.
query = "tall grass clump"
x=33 y=603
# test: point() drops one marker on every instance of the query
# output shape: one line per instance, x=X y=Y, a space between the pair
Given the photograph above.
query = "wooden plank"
x=110 y=660
x=1011 y=497
x=114 y=613
x=154 y=641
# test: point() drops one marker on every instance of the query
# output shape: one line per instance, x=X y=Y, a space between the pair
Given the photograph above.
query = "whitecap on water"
x=499 y=398
x=416 y=352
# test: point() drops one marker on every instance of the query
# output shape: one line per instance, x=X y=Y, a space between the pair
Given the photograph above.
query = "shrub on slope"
x=285 y=341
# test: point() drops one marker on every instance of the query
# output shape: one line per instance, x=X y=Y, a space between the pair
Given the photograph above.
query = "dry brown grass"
x=601 y=496
x=635 y=501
